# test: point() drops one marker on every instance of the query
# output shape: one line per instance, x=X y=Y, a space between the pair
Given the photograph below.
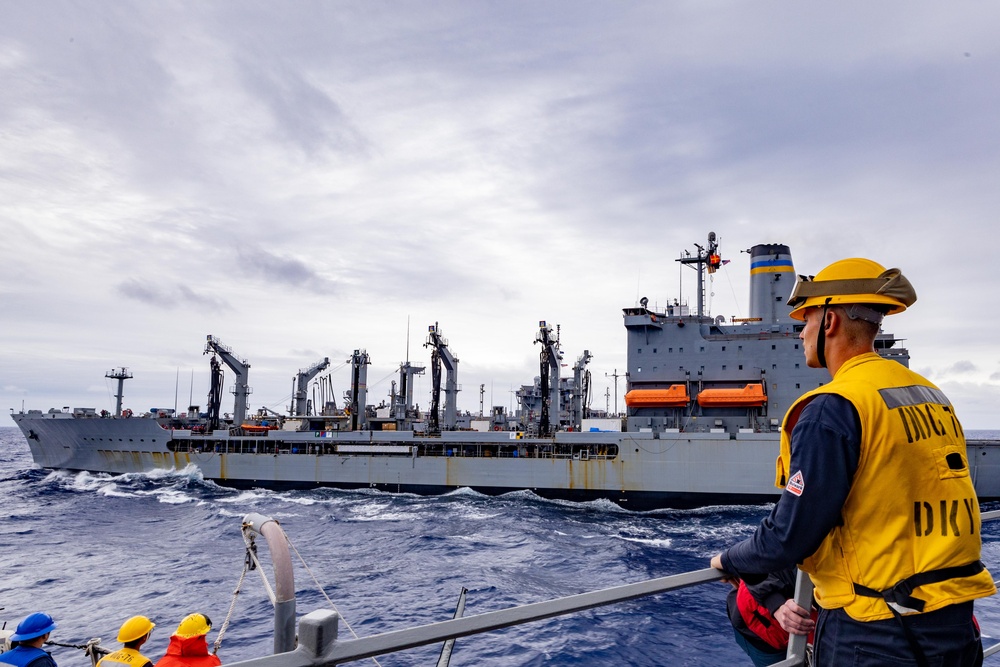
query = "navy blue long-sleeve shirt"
x=826 y=446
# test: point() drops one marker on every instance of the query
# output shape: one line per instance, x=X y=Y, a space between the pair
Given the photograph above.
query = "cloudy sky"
x=304 y=179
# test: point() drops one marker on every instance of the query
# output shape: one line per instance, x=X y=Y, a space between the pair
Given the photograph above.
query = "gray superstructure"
x=704 y=401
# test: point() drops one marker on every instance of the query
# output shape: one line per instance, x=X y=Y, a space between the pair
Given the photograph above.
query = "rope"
x=232 y=607
x=323 y=592
x=92 y=649
x=255 y=564
x=252 y=563
x=91 y=645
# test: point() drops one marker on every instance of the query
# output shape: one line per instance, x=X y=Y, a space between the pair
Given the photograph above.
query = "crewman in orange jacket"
x=188 y=646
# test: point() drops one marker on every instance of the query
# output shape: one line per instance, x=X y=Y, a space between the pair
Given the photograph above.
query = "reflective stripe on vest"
x=126 y=657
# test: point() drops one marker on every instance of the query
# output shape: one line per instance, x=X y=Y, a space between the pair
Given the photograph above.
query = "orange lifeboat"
x=674 y=396
x=750 y=396
x=258 y=428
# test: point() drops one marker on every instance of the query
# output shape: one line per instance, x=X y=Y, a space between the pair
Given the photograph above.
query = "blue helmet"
x=33 y=625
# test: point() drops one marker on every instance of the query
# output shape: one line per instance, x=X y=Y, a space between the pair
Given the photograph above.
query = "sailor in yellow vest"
x=133 y=634
x=878 y=506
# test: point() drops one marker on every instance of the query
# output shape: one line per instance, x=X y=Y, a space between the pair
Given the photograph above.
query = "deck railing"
x=318 y=644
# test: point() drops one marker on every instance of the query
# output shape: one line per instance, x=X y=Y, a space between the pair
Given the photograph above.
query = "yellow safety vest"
x=124 y=656
x=912 y=510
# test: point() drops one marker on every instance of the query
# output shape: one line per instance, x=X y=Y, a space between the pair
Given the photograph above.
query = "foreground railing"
x=318 y=644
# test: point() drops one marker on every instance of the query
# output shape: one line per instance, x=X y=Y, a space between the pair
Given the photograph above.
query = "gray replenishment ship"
x=704 y=402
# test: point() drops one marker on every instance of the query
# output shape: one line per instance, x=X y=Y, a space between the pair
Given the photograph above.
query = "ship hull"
x=638 y=471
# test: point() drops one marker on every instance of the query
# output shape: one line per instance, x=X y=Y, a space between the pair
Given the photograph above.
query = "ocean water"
x=94 y=549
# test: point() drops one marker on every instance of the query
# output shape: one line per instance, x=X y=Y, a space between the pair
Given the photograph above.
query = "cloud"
x=301 y=112
x=270 y=268
x=962 y=367
x=483 y=165
x=172 y=296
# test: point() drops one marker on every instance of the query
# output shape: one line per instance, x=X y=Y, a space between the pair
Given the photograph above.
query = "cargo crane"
x=581 y=389
x=214 y=394
x=441 y=354
x=241 y=367
x=300 y=400
x=404 y=399
x=358 y=395
x=549 y=359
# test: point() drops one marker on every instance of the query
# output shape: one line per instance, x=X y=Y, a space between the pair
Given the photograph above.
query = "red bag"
x=759 y=619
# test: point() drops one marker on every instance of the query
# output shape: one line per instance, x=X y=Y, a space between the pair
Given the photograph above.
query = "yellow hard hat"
x=194 y=625
x=853 y=281
x=134 y=628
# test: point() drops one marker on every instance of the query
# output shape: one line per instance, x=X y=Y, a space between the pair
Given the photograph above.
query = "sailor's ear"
x=832 y=319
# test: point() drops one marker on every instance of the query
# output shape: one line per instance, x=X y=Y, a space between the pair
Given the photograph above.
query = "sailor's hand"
x=794 y=619
x=727 y=577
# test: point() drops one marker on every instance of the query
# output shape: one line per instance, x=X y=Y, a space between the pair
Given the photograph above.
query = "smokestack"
x=772 y=277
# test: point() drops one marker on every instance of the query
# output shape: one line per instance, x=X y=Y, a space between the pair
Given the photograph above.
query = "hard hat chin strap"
x=821 y=336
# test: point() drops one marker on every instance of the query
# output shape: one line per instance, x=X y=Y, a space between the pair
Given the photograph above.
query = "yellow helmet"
x=135 y=628
x=194 y=625
x=853 y=281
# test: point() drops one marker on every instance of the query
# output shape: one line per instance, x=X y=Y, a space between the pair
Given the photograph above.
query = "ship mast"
x=120 y=374
x=707 y=257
